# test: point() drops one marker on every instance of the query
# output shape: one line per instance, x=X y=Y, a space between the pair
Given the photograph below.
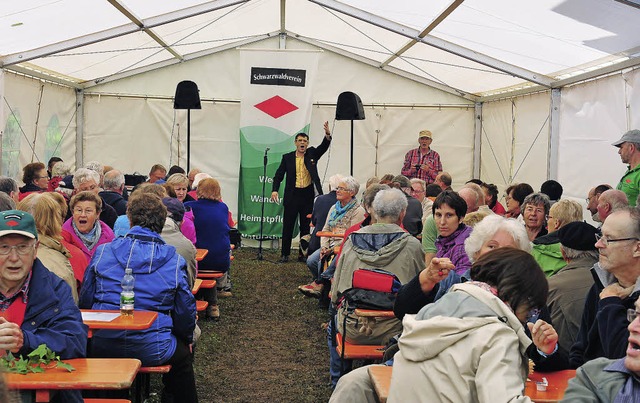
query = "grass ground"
x=268 y=344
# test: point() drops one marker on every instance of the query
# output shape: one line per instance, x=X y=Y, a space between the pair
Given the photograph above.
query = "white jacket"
x=467 y=347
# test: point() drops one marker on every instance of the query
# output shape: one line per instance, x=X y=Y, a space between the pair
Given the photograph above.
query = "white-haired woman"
x=345 y=213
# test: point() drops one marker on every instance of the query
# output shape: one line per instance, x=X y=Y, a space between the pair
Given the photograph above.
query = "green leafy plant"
x=37 y=360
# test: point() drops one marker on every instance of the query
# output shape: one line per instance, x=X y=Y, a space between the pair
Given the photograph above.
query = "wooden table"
x=381 y=378
x=139 y=321
x=200 y=254
x=557 y=380
x=90 y=373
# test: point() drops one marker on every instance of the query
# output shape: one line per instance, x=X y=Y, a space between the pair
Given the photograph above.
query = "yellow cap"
x=425 y=133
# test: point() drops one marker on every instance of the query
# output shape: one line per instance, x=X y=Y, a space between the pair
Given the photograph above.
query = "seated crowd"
x=66 y=241
x=559 y=292
x=478 y=292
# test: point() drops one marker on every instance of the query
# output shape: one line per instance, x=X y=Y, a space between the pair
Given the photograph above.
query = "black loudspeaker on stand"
x=349 y=107
x=187 y=97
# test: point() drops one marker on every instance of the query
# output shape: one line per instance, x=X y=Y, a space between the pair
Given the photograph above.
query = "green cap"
x=17 y=222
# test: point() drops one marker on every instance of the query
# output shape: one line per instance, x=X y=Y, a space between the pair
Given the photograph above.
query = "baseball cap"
x=17 y=222
x=424 y=133
x=632 y=136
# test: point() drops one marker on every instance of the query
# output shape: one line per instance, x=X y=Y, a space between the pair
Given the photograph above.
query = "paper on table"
x=99 y=316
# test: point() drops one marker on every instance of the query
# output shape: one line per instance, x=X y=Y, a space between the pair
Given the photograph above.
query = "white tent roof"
x=475 y=48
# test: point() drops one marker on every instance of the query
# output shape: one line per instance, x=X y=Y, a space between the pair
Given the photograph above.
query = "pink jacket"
x=70 y=236
x=188 y=228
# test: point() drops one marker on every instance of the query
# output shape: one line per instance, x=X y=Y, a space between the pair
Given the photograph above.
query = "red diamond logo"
x=276 y=107
x=12 y=223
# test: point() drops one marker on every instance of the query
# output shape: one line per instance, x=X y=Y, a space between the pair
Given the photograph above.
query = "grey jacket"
x=593 y=384
x=380 y=246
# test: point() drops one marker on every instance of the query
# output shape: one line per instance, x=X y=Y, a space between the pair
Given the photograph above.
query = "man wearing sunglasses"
x=603 y=328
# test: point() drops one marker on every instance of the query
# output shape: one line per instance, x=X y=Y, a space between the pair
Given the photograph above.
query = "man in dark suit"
x=301 y=168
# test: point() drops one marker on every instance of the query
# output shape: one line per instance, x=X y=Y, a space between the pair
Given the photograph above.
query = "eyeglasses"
x=632 y=314
x=417 y=191
x=85 y=211
x=42 y=177
x=340 y=188
x=22 y=249
x=606 y=241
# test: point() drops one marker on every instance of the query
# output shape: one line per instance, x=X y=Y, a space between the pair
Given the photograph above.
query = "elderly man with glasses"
x=603 y=328
x=36 y=306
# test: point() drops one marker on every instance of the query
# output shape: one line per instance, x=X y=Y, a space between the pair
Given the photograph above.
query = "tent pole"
x=188 y=140
x=351 y=148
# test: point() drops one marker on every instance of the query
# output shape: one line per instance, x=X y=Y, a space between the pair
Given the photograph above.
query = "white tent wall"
x=40 y=112
x=132 y=134
x=593 y=115
x=132 y=131
x=515 y=141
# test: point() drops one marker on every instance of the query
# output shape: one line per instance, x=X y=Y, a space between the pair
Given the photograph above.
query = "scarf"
x=91 y=238
x=339 y=212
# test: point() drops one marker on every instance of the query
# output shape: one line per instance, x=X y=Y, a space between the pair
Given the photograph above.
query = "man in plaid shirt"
x=422 y=162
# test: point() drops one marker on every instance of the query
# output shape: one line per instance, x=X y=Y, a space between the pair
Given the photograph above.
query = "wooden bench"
x=201 y=305
x=143 y=380
x=208 y=284
x=358 y=351
x=203 y=274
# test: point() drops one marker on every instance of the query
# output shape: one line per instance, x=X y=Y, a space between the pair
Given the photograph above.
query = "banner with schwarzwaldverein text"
x=276 y=88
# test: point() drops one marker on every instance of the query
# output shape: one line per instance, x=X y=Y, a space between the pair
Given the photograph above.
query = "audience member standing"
x=629 y=150
x=301 y=168
x=422 y=162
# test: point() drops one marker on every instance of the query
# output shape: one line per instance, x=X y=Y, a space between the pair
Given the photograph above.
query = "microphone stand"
x=264 y=181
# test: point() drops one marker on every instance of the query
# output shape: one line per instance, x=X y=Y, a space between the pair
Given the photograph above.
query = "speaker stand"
x=351 y=169
x=259 y=256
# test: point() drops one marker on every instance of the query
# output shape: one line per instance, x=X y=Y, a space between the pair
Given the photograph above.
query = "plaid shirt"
x=5 y=302
x=415 y=157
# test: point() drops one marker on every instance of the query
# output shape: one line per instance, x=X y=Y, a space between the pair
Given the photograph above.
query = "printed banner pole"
x=276 y=88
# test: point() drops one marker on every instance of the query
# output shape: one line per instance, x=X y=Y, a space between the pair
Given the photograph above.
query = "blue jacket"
x=160 y=285
x=211 y=219
x=54 y=319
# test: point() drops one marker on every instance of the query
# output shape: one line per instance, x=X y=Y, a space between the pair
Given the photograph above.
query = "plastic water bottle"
x=127 y=296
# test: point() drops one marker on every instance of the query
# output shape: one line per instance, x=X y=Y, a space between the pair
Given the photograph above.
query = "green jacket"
x=546 y=251
x=630 y=184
